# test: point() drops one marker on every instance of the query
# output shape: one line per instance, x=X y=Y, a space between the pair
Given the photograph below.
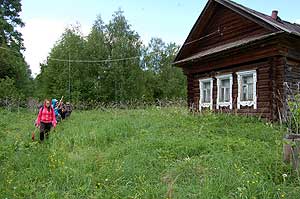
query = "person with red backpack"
x=45 y=119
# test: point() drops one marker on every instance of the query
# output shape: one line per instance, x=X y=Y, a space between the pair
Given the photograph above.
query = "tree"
x=125 y=76
x=54 y=78
x=112 y=65
x=8 y=91
x=12 y=62
x=173 y=81
x=95 y=87
x=162 y=79
x=9 y=21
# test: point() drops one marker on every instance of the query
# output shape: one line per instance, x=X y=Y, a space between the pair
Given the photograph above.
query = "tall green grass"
x=151 y=153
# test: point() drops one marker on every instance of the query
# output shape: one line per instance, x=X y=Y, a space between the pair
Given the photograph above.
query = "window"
x=225 y=90
x=224 y=95
x=247 y=89
x=206 y=92
x=206 y=88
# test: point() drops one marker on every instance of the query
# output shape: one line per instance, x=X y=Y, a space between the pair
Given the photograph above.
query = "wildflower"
x=187 y=158
x=284 y=175
x=106 y=179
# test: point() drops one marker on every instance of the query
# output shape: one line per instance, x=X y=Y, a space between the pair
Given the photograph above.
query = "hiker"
x=68 y=110
x=55 y=107
x=62 y=111
x=46 y=119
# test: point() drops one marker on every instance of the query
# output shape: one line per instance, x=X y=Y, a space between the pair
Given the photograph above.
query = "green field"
x=146 y=153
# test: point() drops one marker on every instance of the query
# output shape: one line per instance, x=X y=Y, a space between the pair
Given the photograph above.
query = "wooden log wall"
x=265 y=102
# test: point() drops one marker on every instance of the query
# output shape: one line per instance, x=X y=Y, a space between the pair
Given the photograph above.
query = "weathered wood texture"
x=291 y=152
x=275 y=57
x=240 y=56
x=224 y=26
x=264 y=91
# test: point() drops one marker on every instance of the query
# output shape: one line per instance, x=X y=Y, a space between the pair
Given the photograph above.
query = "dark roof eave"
x=243 y=45
x=193 y=28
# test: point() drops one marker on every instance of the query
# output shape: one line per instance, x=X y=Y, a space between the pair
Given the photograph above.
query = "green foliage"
x=9 y=20
x=148 y=76
x=8 y=90
x=146 y=153
x=293 y=122
x=12 y=63
x=162 y=80
x=53 y=80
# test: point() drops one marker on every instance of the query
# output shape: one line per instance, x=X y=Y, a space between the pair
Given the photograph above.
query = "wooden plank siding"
x=221 y=30
x=229 y=38
x=242 y=55
x=264 y=91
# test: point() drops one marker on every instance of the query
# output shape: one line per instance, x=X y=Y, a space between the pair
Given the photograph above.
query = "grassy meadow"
x=144 y=153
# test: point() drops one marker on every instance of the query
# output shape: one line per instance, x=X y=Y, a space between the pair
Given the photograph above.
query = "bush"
x=9 y=94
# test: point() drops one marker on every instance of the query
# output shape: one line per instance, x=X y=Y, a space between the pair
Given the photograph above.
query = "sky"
x=171 y=20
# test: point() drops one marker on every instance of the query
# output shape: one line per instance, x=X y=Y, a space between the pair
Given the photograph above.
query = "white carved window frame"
x=239 y=79
x=224 y=104
x=210 y=104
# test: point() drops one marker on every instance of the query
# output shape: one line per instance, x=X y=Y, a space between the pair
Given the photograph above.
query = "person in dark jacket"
x=62 y=110
x=68 y=109
x=46 y=119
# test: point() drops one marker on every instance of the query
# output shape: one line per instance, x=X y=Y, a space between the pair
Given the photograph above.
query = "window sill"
x=247 y=103
x=205 y=105
x=224 y=104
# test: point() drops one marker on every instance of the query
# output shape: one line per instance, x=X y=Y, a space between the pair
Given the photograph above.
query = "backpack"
x=51 y=108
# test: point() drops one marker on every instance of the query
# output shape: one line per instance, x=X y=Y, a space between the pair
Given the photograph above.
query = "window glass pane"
x=206 y=85
x=244 y=92
x=225 y=83
x=206 y=92
x=247 y=88
x=227 y=95
x=224 y=90
x=250 y=92
x=204 y=95
x=249 y=79
x=207 y=100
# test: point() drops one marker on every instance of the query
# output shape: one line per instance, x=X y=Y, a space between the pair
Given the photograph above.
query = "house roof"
x=277 y=25
x=286 y=26
x=228 y=46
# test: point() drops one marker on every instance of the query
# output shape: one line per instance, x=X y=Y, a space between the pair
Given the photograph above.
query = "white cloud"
x=298 y=21
x=39 y=37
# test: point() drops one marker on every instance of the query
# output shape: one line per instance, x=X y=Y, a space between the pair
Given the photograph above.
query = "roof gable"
x=259 y=17
x=198 y=31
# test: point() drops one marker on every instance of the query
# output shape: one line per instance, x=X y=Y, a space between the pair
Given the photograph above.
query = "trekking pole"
x=33 y=134
x=60 y=101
